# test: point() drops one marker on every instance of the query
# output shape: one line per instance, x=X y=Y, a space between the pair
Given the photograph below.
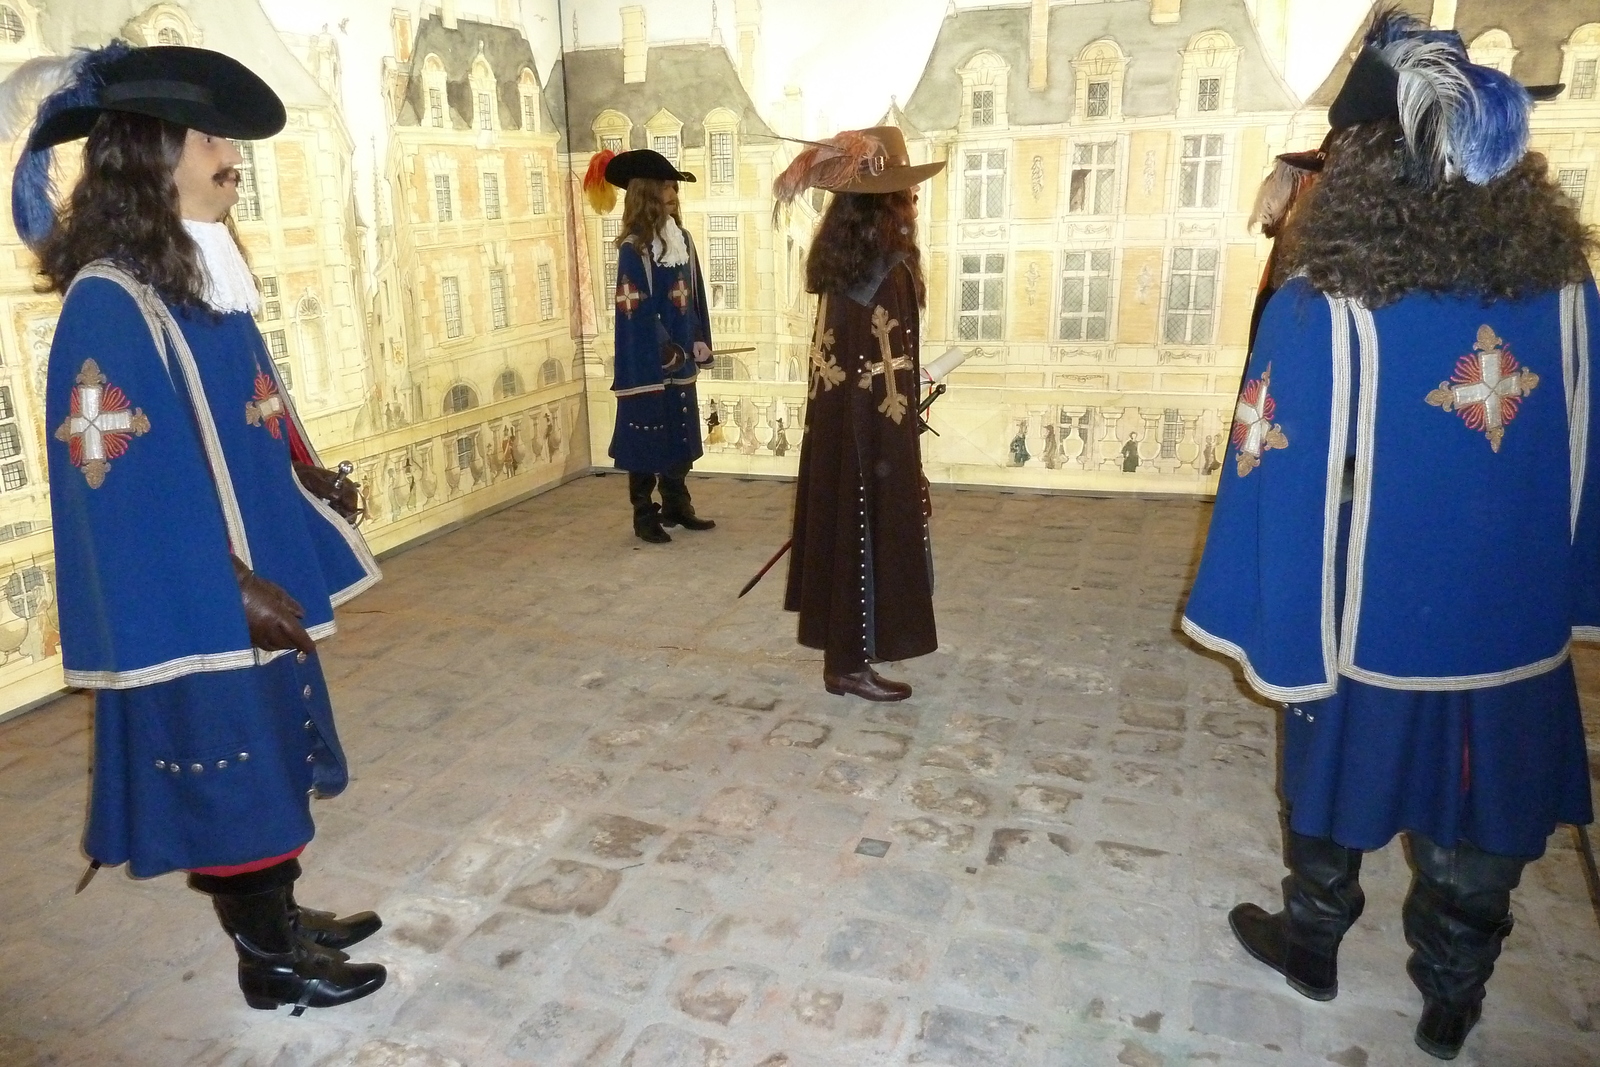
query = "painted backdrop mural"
x=439 y=299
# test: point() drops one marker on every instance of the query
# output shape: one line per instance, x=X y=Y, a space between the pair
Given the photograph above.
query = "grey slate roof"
x=1537 y=31
x=689 y=80
x=1150 y=86
x=239 y=28
x=506 y=50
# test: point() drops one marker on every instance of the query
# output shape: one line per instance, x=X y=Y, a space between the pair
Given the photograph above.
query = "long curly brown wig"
x=643 y=212
x=125 y=208
x=857 y=231
x=1370 y=229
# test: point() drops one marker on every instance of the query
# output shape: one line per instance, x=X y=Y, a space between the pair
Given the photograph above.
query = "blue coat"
x=658 y=415
x=162 y=462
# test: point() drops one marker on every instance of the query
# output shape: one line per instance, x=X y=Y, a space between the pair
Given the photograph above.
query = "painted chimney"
x=633 y=45
x=447 y=14
x=747 y=20
x=1444 y=15
x=1039 y=44
x=1165 y=12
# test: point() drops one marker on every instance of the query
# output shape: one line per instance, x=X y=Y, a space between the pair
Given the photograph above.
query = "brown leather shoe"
x=867 y=684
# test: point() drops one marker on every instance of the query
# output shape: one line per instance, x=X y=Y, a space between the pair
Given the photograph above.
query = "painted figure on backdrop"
x=713 y=425
x=552 y=436
x=1209 y=463
x=1130 y=454
x=780 y=441
x=1438 y=387
x=663 y=338
x=196 y=572
x=861 y=575
x=1019 y=445
x=1052 y=450
x=749 y=440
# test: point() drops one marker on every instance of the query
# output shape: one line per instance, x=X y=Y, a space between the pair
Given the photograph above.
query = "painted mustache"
x=226 y=175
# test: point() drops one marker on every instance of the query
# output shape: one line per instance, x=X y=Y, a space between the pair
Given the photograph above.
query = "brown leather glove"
x=272 y=614
x=335 y=488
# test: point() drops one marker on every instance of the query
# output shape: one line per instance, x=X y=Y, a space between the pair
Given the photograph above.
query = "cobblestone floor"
x=611 y=818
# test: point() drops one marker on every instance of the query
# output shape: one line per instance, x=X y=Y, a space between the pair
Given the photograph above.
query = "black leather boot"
x=1456 y=917
x=324 y=928
x=676 y=509
x=276 y=966
x=646 y=512
x=1322 y=899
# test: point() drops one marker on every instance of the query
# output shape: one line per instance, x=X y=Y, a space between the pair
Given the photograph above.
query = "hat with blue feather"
x=191 y=87
x=1460 y=119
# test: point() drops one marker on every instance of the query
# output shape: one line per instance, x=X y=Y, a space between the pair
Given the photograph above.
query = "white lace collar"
x=668 y=247
x=229 y=284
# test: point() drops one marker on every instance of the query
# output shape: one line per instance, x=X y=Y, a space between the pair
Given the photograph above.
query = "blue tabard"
x=658 y=415
x=155 y=477
x=1474 y=486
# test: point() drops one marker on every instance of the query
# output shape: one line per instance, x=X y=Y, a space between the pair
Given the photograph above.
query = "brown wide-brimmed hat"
x=855 y=161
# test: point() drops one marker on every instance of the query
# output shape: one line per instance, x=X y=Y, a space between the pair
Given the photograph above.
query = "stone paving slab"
x=612 y=820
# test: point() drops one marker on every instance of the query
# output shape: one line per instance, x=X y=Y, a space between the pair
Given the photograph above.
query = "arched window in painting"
x=460 y=397
x=550 y=372
x=309 y=325
x=12 y=29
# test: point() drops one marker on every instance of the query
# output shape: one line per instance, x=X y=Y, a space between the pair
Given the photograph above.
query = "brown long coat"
x=861 y=574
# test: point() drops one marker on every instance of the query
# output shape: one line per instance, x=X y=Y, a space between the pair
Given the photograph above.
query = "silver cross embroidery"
x=1253 y=429
x=894 y=402
x=1487 y=387
x=100 y=421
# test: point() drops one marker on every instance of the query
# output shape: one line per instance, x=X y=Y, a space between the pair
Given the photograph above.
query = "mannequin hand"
x=702 y=353
x=272 y=615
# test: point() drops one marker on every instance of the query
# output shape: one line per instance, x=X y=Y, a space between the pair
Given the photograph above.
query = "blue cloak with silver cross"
x=1473 y=488
x=163 y=460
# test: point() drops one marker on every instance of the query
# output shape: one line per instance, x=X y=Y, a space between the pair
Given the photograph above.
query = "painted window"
x=1583 y=79
x=491 y=196
x=985 y=175
x=547 y=293
x=1092 y=184
x=464 y=449
x=1200 y=175
x=278 y=349
x=168 y=35
x=452 y=307
x=667 y=145
x=1085 y=295
x=611 y=144
x=724 y=265
x=497 y=299
x=982 y=297
x=1209 y=97
x=610 y=230
x=248 y=209
x=1098 y=105
x=550 y=372
x=529 y=123
x=13 y=475
x=1191 y=296
x=460 y=398
x=536 y=199
x=507 y=384
x=12 y=31
x=983 y=107
x=271 y=306
x=485 y=111
x=1171 y=433
x=1574 y=181
x=436 y=108
x=10 y=440
x=722 y=157
x=443 y=207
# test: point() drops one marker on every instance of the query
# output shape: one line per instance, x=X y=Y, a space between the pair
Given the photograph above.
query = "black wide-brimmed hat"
x=191 y=87
x=643 y=163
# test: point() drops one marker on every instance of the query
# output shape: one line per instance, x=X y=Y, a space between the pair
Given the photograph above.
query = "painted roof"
x=1537 y=32
x=504 y=48
x=1150 y=86
x=688 y=80
x=239 y=28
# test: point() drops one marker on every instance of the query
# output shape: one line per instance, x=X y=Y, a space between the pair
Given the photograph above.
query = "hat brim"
x=892 y=179
x=191 y=87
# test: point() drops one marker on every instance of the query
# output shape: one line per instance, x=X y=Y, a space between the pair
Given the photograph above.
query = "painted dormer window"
x=612 y=130
x=1580 y=68
x=984 y=82
x=163 y=24
x=12 y=29
x=528 y=101
x=1097 y=82
x=1210 y=70
x=437 y=114
x=720 y=126
x=484 y=113
x=665 y=132
x=1493 y=48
